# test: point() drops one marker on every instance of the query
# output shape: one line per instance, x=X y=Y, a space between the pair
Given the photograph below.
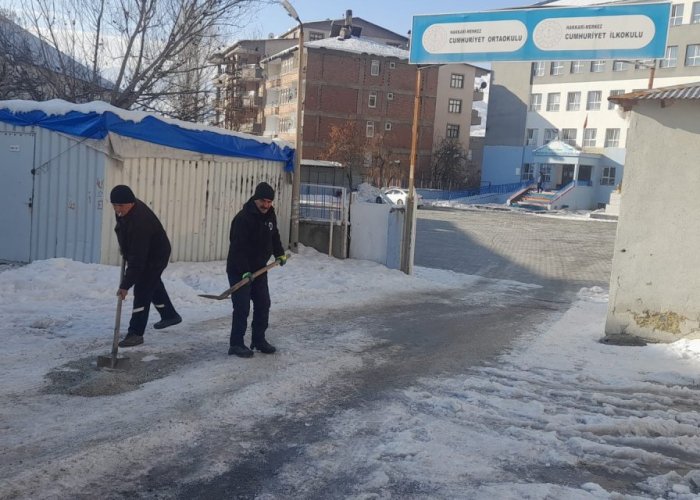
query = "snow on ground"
x=560 y=399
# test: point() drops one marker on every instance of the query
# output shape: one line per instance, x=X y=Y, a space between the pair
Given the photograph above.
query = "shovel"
x=227 y=293
x=113 y=361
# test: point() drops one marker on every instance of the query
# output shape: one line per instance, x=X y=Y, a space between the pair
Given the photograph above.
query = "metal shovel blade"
x=118 y=363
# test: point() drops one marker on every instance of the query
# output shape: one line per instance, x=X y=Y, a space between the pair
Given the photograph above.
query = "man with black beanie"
x=254 y=237
x=146 y=249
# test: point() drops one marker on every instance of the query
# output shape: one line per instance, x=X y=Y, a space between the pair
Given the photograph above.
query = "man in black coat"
x=253 y=239
x=146 y=249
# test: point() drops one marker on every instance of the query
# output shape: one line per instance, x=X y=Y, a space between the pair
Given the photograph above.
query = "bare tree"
x=148 y=54
x=347 y=145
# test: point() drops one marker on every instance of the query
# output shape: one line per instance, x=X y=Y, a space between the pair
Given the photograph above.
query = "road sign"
x=633 y=31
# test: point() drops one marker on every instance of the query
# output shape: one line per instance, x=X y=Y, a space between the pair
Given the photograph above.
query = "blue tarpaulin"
x=96 y=125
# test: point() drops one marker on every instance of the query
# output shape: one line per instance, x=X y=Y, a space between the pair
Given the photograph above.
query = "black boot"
x=241 y=351
x=164 y=323
x=263 y=346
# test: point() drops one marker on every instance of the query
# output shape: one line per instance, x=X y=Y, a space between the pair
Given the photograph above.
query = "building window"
x=692 y=55
x=389 y=96
x=387 y=126
x=578 y=66
x=670 y=59
x=593 y=100
x=608 y=177
x=676 y=14
x=589 y=137
x=619 y=66
x=315 y=35
x=456 y=81
x=452 y=131
x=573 y=101
x=553 y=99
x=454 y=106
x=613 y=93
x=568 y=135
x=535 y=102
x=644 y=63
x=528 y=172
x=538 y=68
x=392 y=64
x=612 y=137
x=372 y=101
x=550 y=134
x=695 y=15
x=374 y=69
x=556 y=68
x=597 y=66
x=369 y=131
x=531 y=137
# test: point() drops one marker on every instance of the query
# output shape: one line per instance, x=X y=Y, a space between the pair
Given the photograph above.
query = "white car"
x=399 y=195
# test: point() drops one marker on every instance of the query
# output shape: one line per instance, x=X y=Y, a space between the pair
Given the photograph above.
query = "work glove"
x=248 y=276
x=281 y=260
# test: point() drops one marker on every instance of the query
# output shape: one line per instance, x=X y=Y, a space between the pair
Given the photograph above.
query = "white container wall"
x=56 y=188
x=196 y=200
x=63 y=178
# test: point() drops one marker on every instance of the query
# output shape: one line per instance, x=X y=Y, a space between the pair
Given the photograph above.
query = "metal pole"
x=411 y=201
x=296 y=178
x=651 y=75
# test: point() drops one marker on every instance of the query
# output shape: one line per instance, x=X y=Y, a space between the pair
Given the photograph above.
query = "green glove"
x=281 y=260
x=248 y=276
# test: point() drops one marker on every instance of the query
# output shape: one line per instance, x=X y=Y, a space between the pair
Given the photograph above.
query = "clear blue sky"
x=395 y=15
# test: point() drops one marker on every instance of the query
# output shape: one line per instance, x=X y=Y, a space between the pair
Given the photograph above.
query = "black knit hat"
x=121 y=195
x=264 y=191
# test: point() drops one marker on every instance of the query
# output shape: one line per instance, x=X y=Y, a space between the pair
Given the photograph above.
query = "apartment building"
x=555 y=117
x=257 y=91
x=355 y=80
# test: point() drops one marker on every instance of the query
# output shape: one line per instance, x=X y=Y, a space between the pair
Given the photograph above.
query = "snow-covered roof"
x=359 y=46
x=96 y=119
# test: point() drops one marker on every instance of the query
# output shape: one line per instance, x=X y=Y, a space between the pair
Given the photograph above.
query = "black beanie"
x=121 y=195
x=264 y=191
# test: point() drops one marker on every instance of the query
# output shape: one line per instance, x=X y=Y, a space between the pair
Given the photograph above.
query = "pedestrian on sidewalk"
x=254 y=237
x=145 y=247
x=540 y=182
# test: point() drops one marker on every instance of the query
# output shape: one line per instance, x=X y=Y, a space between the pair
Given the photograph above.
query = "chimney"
x=346 y=30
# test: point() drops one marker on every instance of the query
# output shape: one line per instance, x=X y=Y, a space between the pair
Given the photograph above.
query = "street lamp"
x=296 y=177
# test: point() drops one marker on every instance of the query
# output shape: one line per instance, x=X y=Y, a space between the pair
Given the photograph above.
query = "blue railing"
x=438 y=194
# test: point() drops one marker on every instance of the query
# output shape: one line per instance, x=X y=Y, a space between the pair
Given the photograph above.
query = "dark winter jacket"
x=254 y=237
x=143 y=243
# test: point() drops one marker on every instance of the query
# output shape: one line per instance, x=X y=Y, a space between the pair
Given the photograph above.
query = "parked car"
x=399 y=196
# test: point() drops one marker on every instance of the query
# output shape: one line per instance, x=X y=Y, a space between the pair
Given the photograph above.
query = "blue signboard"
x=633 y=31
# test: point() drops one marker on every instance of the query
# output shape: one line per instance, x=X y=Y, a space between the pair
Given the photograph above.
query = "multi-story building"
x=554 y=116
x=363 y=82
x=342 y=57
x=454 y=113
x=238 y=83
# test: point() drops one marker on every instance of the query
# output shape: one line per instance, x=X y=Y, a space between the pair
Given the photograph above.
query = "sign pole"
x=406 y=247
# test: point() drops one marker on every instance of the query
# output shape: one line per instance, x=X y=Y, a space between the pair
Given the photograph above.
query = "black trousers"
x=259 y=294
x=149 y=289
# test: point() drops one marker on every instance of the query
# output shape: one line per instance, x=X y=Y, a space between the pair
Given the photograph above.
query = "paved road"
x=566 y=254
x=417 y=336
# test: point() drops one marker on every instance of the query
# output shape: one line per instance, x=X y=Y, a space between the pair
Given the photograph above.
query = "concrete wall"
x=317 y=235
x=654 y=292
x=376 y=231
x=504 y=163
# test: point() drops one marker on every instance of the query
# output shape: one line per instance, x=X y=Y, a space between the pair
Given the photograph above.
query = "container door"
x=16 y=163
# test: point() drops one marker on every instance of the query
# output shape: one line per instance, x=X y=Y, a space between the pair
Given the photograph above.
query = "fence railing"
x=323 y=203
x=438 y=194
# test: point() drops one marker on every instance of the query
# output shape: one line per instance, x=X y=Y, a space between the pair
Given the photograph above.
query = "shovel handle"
x=117 y=321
